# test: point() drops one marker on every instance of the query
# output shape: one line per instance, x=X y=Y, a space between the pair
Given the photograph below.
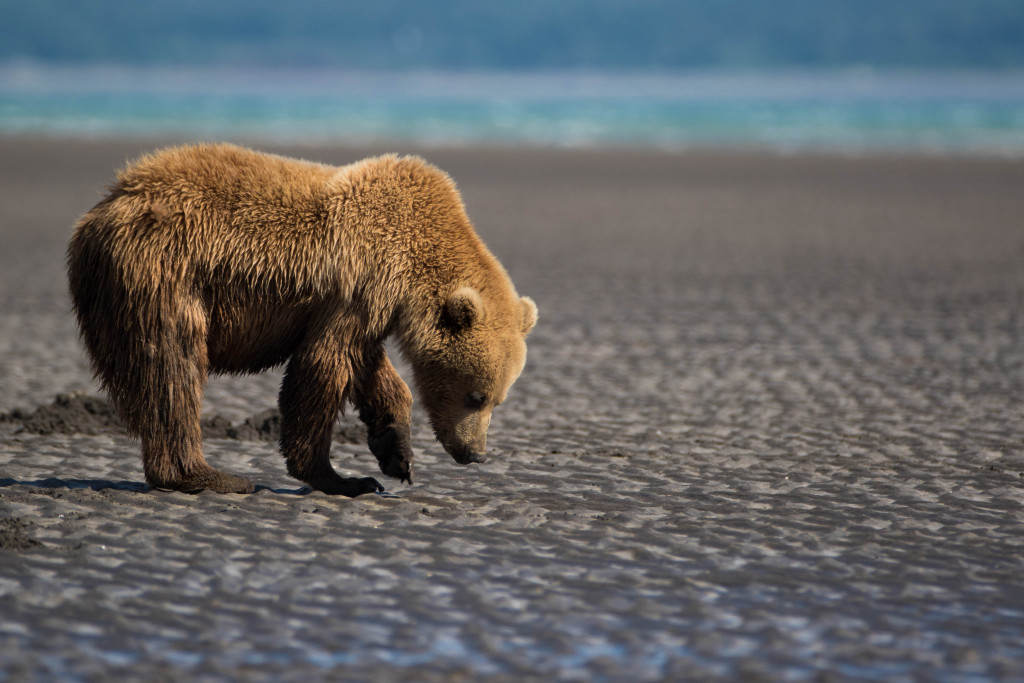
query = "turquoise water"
x=849 y=110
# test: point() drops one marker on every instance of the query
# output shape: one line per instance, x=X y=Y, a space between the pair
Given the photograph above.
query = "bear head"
x=476 y=353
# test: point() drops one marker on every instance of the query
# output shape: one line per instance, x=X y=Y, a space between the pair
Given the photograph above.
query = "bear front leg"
x=385 y=405
x=312 y=393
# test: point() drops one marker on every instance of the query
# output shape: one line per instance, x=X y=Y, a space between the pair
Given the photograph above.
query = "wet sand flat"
x=770 y=426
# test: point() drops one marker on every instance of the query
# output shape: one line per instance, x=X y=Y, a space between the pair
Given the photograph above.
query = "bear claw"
x=400 y=470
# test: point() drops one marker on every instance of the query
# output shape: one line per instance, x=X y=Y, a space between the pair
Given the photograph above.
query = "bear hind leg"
x=161 y=397
x=172 y=443
x=166 y=469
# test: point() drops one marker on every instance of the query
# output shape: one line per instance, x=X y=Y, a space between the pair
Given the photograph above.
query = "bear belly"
x=253 y=338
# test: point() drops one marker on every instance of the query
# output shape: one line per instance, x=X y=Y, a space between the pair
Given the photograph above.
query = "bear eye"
x=475 y=399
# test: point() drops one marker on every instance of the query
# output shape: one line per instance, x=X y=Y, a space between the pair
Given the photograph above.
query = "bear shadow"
x=93 y=484
x=55 y=483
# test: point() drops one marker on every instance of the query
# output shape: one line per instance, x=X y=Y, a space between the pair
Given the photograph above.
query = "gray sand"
x=770 y=426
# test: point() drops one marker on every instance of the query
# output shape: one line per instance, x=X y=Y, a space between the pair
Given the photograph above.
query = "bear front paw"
x=361 y=485
x=393 y=451
x=349 y=486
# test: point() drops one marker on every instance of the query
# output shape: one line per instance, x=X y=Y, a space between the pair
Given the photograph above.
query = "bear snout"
x=474 y=457
x=465 y=455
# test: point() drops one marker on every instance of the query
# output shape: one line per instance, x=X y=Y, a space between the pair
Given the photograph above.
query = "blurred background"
x=933 y=75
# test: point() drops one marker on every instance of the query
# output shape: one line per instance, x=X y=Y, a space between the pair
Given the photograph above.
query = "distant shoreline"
x=307 y=148
x=849 y=111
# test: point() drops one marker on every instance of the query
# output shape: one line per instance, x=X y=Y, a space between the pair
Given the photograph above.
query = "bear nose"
x=476 y=457
x=465 y=456
x=469 y=456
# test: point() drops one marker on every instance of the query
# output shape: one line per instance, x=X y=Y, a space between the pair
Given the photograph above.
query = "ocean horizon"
x=851 y=110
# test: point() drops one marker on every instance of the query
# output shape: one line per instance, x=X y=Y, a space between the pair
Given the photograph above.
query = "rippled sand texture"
x=770 y=425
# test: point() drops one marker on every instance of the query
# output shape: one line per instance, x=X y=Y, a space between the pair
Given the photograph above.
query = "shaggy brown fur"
x=216 y=258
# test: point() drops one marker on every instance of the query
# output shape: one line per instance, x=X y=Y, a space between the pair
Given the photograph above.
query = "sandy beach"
x=770 y=427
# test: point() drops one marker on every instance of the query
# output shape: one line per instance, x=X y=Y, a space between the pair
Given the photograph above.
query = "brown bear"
x=216 y=258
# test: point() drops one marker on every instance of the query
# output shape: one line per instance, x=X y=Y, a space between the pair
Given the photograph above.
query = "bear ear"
x=529 y=314
x=462 y=308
